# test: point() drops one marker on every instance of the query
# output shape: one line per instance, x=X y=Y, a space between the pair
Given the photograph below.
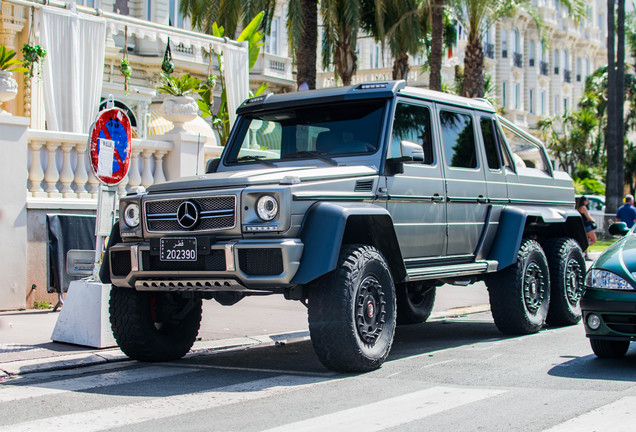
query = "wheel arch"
x=328 y=225
x=542 y=223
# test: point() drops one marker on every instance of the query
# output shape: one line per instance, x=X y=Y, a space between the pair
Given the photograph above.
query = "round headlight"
x=131 y=215
x=267 y=207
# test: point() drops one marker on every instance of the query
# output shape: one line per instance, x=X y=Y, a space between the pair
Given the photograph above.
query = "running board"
x=454 y=270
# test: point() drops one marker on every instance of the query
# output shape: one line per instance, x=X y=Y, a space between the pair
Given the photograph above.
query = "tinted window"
x=525 y=153
x=490 y=143
x=458 y=137
x=412 y=123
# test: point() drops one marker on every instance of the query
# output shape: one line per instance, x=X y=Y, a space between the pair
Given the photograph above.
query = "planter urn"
x=179 y=110
x=8 y=89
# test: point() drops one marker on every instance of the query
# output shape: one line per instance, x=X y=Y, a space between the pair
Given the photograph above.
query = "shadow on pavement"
x=592 y=367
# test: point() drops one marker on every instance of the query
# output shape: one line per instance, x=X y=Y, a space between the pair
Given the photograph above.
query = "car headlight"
x=603 y=279
x=267 y=208
x=131 y=215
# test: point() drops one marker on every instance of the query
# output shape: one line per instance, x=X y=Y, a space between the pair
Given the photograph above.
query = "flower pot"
x=179 y=110
x=8 y=89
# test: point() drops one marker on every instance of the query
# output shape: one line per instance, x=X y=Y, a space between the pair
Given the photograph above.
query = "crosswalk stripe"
x=395 y=411
x=617 y=416
x=9 y=392
x=164 y=407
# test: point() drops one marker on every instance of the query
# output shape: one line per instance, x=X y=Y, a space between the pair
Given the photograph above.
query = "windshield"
x=318 y=132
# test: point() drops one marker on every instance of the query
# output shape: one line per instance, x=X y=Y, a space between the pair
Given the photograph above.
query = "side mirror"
x=412 y=149
x=618 y=228
x=212 y=165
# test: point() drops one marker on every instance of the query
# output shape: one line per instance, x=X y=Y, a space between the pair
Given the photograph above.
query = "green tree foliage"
x=477 y=16
x=341 y=21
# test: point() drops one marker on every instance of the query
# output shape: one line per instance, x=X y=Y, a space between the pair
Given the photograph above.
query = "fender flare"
x=512 y=226
x=323 y=232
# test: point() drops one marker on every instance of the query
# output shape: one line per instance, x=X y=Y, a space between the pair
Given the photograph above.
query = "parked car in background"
x=609 y=302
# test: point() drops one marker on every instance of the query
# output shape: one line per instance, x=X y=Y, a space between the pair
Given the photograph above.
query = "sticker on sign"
x=105 y=158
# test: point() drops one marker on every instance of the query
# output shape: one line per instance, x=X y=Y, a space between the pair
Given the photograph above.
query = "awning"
x=159 y=126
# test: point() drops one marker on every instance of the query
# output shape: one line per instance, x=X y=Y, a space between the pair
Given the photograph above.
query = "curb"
x=200 y=348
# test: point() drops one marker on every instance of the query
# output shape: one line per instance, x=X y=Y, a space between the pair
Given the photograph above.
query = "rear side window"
x=488 y=133
x=412 y=123
x=458 y=137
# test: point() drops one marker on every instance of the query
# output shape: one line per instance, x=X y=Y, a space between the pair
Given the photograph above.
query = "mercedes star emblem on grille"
x=187 y=214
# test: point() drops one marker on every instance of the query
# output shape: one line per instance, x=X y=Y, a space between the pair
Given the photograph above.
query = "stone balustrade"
x=58 y=166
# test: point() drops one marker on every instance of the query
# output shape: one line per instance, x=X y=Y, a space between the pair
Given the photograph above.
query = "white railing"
x=59 y=167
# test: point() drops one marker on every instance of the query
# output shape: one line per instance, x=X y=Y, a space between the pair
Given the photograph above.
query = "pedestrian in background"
x=627 y=213
x=588 y=221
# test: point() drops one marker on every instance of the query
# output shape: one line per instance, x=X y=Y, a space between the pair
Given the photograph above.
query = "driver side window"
x=412 y=127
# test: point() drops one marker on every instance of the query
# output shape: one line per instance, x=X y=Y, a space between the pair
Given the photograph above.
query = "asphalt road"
x=454 y=374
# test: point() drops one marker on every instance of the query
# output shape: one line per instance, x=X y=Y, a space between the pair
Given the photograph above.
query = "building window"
x=531 y=101
x=175 y=19
x=565 y=105
x=556 y=62
x=531 y=52
x=556 y=105
x=543 y=103
x=517 y=96
x=503 y=93
x=271 y=41
x=504 y=44
x=149 y=10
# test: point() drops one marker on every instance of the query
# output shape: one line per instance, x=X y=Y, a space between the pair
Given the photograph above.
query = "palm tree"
x=402 y=24
x=302 y=26
x=229 y=14
x=477 y=16
x=341 y=20
x=437 y=24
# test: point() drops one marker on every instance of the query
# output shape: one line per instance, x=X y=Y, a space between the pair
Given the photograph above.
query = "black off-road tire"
x=604 y=348
x=153 y=327
x=567 y=277
x=520 y=293
x=415 y=302
x=352 y=311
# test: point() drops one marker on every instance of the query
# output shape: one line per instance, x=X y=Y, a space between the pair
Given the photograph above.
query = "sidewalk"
x=26 y=347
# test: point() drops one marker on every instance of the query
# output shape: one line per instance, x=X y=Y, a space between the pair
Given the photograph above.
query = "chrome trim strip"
x=134 y=258
x=230 y=264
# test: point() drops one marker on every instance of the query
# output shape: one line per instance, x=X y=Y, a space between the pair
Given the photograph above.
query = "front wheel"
x=352 y=311
x=151 y=326
x=604 y=348
x=520 y=294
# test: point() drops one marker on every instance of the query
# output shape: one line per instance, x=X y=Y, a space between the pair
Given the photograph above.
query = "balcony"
x=517 y=59
x=567 y=76
x=489 y=50
x=275 y=70
x=543 y=68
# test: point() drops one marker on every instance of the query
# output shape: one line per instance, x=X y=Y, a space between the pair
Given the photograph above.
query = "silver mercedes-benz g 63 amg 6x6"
x=359 y=202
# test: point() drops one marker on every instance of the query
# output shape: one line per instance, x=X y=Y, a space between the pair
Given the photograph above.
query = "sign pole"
x=106 y=202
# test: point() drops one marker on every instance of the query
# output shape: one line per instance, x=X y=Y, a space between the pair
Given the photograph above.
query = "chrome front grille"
x=215 y=213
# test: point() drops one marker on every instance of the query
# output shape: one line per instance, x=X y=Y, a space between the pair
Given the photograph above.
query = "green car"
x=609 y=302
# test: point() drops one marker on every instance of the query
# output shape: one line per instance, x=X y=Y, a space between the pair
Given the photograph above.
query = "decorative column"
x=36 y=173
x=52 y=175
x=81 y=176
x=66 y=174
x=146 y=177
x=159 y=175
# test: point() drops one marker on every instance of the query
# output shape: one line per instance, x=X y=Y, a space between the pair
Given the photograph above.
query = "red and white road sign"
x=110 y=141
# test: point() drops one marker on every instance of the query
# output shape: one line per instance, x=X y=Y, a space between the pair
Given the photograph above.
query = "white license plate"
x=178 y=249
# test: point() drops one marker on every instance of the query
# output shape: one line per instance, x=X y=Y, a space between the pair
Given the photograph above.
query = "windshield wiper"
x=255 y=158
x=316 y=154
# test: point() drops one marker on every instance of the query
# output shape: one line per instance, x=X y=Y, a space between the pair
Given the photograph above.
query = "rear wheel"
x=352 y=311
x=567 y=274
x=520 y=294
x=153 y=327
x=609 y=348
x=415 y=302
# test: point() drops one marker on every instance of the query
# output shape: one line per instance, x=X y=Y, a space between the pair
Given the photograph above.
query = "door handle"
x=437 y=198
x=481 y=199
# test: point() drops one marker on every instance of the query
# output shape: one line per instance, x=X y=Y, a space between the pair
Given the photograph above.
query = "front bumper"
x=616 y=310
x=235 y=265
